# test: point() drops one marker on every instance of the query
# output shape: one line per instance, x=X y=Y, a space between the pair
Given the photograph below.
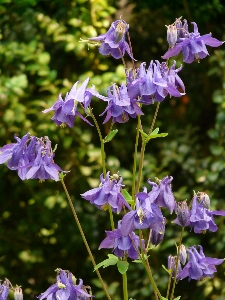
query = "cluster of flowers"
x=192 y=44
x=32 y=157
x=148 y=215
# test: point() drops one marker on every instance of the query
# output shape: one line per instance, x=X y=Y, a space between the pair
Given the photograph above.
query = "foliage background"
x=41 y=56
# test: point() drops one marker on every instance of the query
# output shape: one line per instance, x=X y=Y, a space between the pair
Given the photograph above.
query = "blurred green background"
x=41 y=56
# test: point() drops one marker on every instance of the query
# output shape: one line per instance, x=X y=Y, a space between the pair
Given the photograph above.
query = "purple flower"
x=32 y=157
x=120 y=105
x=146 y=215
x=113 y=41
x=4 y=290
x=183 y=254
x=199 y=266
x=65 y=289
x=157 y=236
x=201 y=218
x=161 y=193
x=183 y=214
x=66 y=111
x=192 y=45
x=172 y=265
x=155 y=83
x=122 y=245
x=108 y=193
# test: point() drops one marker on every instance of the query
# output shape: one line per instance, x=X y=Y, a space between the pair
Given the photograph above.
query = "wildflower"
x=32 y=157
x=201 y=218
x=192 y=45
x=146 y=215
x=183 y=214
x=108 y=193
x=199 y=266
x=66 y=110
x=161 y=193
x=113 y=41
x=65 y=288
x=155 y=83
x=122 y=245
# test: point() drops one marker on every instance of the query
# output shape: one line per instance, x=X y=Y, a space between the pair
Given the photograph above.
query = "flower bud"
x=171 y=35
x=18 y=294
x=183 y=254
x=183 y=214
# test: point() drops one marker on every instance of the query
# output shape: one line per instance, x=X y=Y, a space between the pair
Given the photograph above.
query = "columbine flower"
x=155 y=83
x=161 y=193
x=113 y=41
x=108 y=193
x=122 y=245
x=201 y=218
x=120 y=105
x=32 y=157
x=199 y=266
x=65 y=288
x=183 y=214
x=4 y=290
x=192 y=45
x=146 y=215
x=66 y=111
x=172 y=265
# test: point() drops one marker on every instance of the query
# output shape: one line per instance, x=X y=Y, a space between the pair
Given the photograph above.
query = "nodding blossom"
x=66 y=288
x=192 y=44
x=32 y=157
x=113 y=41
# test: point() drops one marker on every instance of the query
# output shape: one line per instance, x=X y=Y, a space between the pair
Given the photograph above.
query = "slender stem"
x=135 y=157
x=125 y=292
x=84 y=238
x=177 y=260
x=168 y=288
x=131 y=51
x=102 y=142
x=143 y=150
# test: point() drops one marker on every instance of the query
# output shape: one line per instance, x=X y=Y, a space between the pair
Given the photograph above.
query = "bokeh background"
x=42 y=56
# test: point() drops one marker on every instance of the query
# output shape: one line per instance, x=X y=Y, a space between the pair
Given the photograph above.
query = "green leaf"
x=122 y=266
x=144 y=135
x=127 y=197
x=110 y=261
x=177 y=298
x=155 y=131
x=110 y=136
x=153 y=136
x=168 y=271
x=164 y=298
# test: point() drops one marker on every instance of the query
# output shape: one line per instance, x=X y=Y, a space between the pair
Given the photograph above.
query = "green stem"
x=125 y=293
x=177 y=260
x=103 y=161
x=135 y=157
x=84 y=238
x=102 y=142
x=143 y=150
x=168 y=288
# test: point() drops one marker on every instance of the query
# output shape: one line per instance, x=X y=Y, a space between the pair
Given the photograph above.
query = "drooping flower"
x=122 y=245
x=155 y=83
x=192 y=44
x=183 y=214
x=65 y=288
x=201 y=218
x=66 y=110
x=120 y=105
x=161 y=193
x=199 y=266
x=157 y=236
x=108 y=193
x=113 y=41
x=146 y=215
x=32 y=157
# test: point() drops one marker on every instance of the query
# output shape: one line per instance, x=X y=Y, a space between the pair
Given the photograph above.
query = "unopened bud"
x=183 y=213
x=171 y=35
x=183 y=254
x=18 y=294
